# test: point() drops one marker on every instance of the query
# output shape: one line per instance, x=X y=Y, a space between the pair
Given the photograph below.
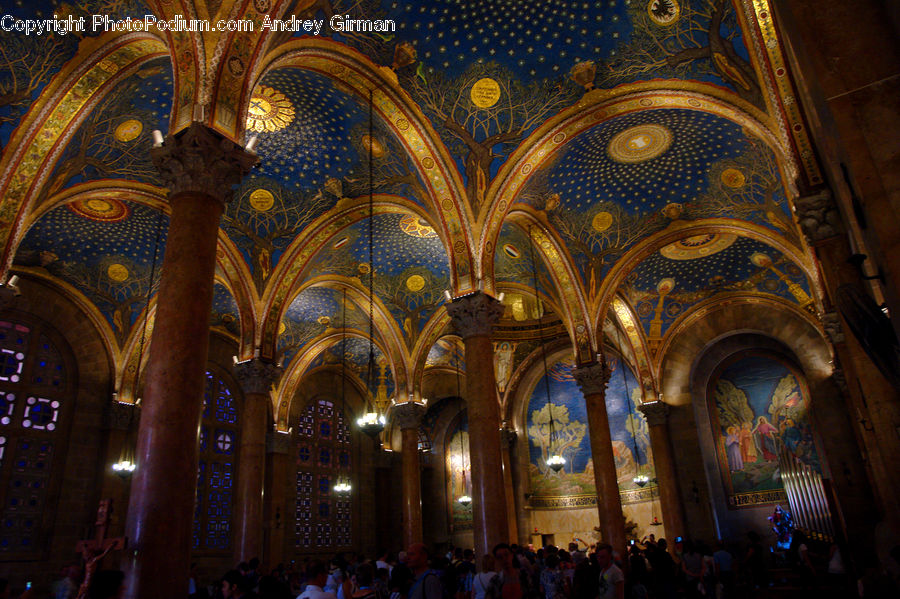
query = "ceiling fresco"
x=411 y=266
x=28 y=62
x=668 y=283
x=104 y=248
x=486 y=75
x=113 y=140
x=634 y=175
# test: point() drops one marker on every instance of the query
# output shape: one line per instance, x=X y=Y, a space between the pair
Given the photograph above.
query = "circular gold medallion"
x=639 y=143
x=663 y=12
x=324 y=320
x=485 y=92
x=117 y=272
x=99 y=209
x=761 y=260
x=128 y=130
x=602 y=221
x=281 y=327
x=698 y=246
x=262 y=200
x=415 y=283
x=269 y=110
x=733 y=177
x=372 y=144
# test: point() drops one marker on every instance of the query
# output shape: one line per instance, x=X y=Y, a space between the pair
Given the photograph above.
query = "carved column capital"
x=200 y=160
x=831 y=322
x=257 y=376
x=474 y=314
x=592 y=378
x=656 y=412
x=277 y=442
x=818 y=216
x=408 y=414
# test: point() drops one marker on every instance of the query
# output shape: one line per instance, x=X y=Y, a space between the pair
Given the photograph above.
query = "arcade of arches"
x=657 y=239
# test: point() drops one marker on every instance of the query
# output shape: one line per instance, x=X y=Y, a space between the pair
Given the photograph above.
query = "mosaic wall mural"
x=758 y=407
x=459 y=474
x=571 y=438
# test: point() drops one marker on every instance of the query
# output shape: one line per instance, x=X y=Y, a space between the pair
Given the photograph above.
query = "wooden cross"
x=94 y=550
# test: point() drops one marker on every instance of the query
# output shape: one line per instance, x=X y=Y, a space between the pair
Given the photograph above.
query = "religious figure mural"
x=570 y=437
x=758 y=407
x=459 y=475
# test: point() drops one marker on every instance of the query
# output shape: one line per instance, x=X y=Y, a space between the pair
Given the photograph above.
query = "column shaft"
x=593 y=379
x=666 y=477
x=160 y=512
x=248 y=504
x=278 y=477
x=474 y=316
x=412 y=487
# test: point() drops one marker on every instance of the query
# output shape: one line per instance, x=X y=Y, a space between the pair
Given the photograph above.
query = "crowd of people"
x=648 y=568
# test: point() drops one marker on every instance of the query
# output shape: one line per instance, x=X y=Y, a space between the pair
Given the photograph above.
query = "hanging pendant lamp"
x=371 y=422
x=464 y=499
x=640 y=478
x=126 y=464
x=343 y=486
x=555 y=461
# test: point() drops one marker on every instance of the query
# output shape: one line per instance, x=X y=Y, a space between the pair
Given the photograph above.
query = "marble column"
x=278 y=479
x=656 y=413
x=199 y=167
x=473 y=318
x=408 y=416
x=256 y=378
x=509 y=437
x=592 y=379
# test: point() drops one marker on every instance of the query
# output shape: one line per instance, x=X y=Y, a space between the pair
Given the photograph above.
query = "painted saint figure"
x=748 y=448
x=733 y=449
x=764 y=433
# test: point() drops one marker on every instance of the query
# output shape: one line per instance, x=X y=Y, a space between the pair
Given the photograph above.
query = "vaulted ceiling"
x=629 y=160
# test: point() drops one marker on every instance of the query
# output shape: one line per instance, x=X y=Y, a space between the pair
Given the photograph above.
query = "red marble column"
x=278 y=475
x=199 y=167
x=657 y=413
x=474 y=317
x=508 y=439
x=408 y=416
x=592 y=379
x=256 y=378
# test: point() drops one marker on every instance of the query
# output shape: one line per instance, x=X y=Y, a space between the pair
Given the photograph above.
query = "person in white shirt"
x=316 y=576
x=612 y=580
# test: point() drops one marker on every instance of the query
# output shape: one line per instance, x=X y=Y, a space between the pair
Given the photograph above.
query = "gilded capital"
x=655 y=412
x=200 y=160
x=592 y=378
x=474 y=314
x=257 y=376
x=407 y=415
x=818 y=216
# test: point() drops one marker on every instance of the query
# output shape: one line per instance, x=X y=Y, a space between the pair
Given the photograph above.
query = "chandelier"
x=343 y=486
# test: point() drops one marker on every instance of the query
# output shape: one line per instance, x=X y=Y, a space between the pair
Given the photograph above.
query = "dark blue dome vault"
x=609 y=188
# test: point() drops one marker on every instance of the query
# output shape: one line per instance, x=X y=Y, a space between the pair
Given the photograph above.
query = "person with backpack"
x=426 y=583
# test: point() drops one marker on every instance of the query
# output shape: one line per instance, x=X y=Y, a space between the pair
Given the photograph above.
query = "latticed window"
x=214 y=503
x=323 y=519
x=34 y=398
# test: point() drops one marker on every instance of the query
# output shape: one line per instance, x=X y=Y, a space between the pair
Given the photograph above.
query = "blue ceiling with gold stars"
x=694 y=269
x=225 y=314
x=114 y=140
x=635 y=174
x=104 y=248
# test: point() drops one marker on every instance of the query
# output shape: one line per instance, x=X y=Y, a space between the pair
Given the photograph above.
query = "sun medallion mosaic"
x=414 y=226
x=639 y=143
x=698 y=246
x=103 y=210
x=269 y=111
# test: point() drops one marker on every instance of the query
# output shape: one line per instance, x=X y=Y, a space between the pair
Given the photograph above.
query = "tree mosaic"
x=759 y=409
x=693 y=39
x=459 y=474
x=114 y=140
x=571 y=438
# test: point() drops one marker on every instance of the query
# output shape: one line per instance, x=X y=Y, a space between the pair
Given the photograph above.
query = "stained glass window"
x=33 y=398
x=322 y=518
x=214 y=502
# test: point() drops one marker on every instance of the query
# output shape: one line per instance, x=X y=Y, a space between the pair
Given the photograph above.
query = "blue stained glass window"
x=323 y=458
x=215 y=476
